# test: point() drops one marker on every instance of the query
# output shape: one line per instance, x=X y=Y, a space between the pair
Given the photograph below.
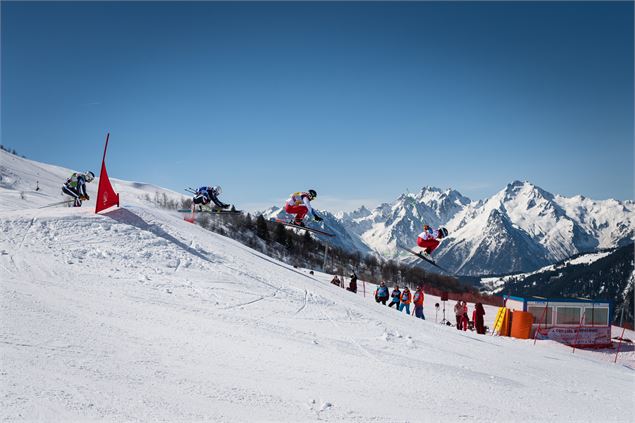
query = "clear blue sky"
x=360 y=101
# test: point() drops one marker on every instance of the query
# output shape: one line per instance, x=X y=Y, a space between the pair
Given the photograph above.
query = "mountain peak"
x=358 y=213
x=517 y=188
x=427 y=189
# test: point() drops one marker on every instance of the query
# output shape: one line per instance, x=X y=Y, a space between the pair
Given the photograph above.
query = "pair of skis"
x=206 y=210
x=212 y=211
x=422 y=257
x=293 y=225
x=192 y=217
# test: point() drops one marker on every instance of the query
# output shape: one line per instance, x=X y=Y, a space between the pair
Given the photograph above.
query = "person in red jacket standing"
x=417 y=299
x=479 y=313
x=466 y=318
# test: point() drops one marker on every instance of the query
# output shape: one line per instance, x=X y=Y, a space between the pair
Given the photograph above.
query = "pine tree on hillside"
x=249 y=224
x=280 y=235
x=261 y=228
x=307 y=241
x=186 y=203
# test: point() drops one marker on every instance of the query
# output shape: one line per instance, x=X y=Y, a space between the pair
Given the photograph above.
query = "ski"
x=57 y=204
x=210 y=211
x=293 y=225
x=422 y=257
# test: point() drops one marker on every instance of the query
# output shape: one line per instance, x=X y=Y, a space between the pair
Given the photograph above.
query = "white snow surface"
x=136 y=315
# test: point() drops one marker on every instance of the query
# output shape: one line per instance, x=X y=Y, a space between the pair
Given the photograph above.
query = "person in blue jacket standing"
x=396 y=296
x=381 y=295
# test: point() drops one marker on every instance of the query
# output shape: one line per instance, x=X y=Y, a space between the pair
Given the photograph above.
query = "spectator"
x=405 y=300
x=466 y=319
x=353 y=285
x=458 y=312
x=336 y=281
x=479 y=313
x=396 y=295
x=417 y=299
x=381 y=295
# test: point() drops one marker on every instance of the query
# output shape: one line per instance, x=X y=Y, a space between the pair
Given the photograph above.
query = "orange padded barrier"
x=521 y=324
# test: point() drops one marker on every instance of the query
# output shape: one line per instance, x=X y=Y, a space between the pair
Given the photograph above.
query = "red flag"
x=106 y=195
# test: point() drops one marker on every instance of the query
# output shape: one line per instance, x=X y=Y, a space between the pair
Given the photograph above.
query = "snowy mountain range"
x=520 y=228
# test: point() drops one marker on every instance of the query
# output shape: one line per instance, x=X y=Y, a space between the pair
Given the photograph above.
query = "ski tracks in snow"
x=343 y=334
x=304 y=303
x=26 y=233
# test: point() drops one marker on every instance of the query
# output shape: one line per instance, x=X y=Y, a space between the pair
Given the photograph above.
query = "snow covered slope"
x=20 y=179
x=136 y=315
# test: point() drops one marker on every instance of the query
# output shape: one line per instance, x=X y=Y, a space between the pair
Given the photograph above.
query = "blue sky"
x=360 y=101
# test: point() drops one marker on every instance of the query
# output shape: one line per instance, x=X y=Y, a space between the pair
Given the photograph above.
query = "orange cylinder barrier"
x=521 y=324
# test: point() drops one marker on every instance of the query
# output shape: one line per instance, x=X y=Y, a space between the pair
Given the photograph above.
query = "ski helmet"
x=218 y=190
x=312 y=194
x=89 y=176
x=443 y=232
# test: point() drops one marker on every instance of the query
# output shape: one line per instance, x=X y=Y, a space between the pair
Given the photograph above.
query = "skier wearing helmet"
x=299 y=204
x=204 y=195
x=75 y=186
x=430 y=238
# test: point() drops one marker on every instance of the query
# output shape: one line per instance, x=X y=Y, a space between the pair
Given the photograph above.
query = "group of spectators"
x=352 y=286
x=402 y=299
x=463 y=321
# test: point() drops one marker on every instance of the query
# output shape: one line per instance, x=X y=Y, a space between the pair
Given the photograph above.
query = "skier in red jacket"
x=299 y=204
x=430 y=238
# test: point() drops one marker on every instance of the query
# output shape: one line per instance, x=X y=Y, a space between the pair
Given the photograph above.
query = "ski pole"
x=620 y=344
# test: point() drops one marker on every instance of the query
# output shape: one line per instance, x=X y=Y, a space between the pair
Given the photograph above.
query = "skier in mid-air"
x=430 y=239
x=299 y=204
x=75 y=186
x=204 y=195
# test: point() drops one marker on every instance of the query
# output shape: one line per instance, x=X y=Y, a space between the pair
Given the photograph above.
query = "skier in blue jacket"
x=205 y=195
x=75 y=186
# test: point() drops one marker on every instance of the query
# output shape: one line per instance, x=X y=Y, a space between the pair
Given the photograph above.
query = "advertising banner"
x=578 y=336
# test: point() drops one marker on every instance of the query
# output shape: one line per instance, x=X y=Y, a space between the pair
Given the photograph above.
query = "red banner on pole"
x=106 y=195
